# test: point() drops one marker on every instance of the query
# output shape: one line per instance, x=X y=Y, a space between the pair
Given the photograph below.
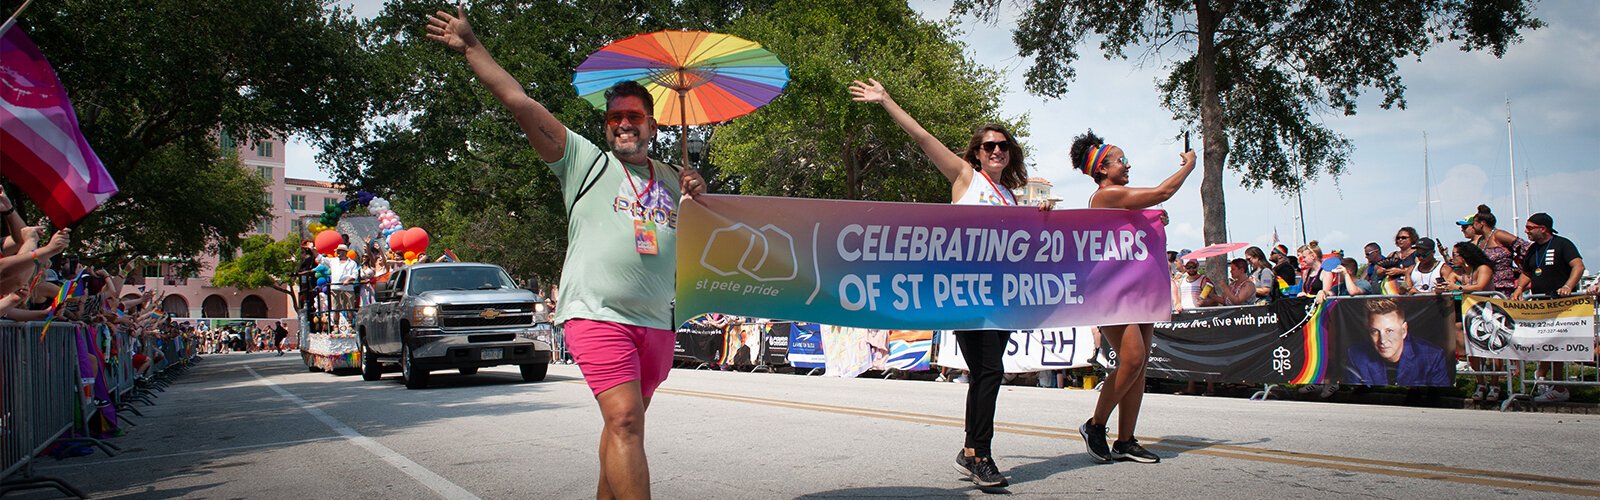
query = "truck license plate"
x=494 y=353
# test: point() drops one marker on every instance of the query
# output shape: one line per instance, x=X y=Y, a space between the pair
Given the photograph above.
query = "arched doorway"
x=176 y=306
x=252 y=307
x=214 y=307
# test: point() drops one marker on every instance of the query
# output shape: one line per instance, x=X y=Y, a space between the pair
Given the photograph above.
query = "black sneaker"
x=1131 y=451
x=981 y=470
x=1094 y=438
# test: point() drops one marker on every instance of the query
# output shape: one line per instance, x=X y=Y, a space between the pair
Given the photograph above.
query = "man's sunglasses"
x=616 y=118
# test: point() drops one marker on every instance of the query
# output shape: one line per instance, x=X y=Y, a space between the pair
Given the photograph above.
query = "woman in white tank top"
x=984 y=175
x=1124 y=387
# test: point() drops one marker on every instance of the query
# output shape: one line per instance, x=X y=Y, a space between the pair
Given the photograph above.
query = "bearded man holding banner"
x=617 y=286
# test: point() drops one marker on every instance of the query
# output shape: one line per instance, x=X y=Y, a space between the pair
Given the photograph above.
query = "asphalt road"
x=259 y=426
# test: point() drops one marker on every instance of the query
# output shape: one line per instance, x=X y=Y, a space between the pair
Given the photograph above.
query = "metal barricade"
x=40 y=383
x=1486 y=370
x=1534 y=378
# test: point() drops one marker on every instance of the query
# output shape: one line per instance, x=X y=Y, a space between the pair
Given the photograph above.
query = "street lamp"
x=697 y=147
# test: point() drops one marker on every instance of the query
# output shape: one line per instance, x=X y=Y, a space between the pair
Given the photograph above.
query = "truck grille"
x=478 y=315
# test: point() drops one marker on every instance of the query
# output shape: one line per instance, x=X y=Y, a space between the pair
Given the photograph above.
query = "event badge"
x=644 y=237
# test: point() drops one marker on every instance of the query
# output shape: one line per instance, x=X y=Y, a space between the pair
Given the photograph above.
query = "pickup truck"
x=456 y=315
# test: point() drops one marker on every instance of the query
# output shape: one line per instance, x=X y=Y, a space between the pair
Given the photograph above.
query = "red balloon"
x=397 y=242
x=416 y=240
x=327 y=241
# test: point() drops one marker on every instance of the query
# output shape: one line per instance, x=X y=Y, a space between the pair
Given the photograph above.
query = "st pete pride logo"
x=657 y=204
x=920 y=266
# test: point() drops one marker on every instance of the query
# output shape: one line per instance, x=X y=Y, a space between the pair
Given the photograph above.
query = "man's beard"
x=640 y=145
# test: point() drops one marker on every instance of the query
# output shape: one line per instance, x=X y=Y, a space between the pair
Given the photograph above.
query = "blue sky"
x=1459 y=99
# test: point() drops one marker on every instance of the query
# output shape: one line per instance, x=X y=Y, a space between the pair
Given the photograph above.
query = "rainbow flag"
x=1317 y=345
x=1392 y=287
x=1283 y=286
x=42 y=149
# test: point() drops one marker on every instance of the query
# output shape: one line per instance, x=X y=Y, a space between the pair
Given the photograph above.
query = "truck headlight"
x=424 y=315
x=541 y=313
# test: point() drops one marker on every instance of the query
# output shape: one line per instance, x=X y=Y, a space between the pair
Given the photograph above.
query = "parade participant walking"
x=1124 y=387
x=617 y=281
x=985 y=174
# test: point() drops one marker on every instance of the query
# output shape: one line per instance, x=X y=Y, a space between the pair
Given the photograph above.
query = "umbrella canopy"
x=1214 y=250
x=696 y=77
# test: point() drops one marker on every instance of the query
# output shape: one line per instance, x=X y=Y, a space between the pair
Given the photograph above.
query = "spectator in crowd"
x=1503 y=248
x=278 y=334
x=1426 y=275
x=1316 y=277
x=1265 y=282
x=1241 y=289
x=1397 y=266
x=1284 y=266
x=1551 y=268
x=1476 y=275
x=1349 y=281
x=1192 y=290
x=1371 y=271
x=1468 y=231
x=1393 y=357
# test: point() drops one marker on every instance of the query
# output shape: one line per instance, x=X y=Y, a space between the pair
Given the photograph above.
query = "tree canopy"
x=814 y=142
x=262 y=263
x=1254 y=74
x=153 y=82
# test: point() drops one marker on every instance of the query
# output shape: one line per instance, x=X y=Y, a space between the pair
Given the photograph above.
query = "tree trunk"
x=852 y=169
x=1213 y=140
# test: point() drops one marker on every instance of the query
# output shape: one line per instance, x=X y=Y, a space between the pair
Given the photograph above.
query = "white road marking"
x=435 y=482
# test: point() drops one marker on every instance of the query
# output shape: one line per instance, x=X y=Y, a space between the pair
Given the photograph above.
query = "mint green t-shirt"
x=605 y=278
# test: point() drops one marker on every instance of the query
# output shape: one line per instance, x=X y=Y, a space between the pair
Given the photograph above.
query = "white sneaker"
x=1463 y=366
x=1552 y=396
x=961 y=379
x=940 y=378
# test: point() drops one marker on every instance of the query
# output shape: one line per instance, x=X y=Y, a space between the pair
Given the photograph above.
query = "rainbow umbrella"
x=695 y=77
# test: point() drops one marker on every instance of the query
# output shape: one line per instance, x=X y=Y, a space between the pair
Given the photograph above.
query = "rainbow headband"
x=1093 y=160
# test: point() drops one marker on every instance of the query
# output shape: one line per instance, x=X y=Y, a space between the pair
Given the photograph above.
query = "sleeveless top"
x=1422 y=281
x=1505 y=265
x=984 y=191
x=1189 y=291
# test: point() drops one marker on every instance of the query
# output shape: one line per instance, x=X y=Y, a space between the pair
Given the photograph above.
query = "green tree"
x=1257 y=71
x=262 y=263
x=452 y=159
x=153 y=82
x=814 y=142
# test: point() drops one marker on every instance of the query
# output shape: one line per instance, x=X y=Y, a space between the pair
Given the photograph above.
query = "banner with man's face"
x=1404 y=341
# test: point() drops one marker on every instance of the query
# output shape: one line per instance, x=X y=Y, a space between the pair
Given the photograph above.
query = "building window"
x=267 y=197
x=152 y=271
x=266 y=172
x=329 y=202
x=296 y=226
x=297 y=202
x=226 y=142
x=264 y=148
x=264 y=227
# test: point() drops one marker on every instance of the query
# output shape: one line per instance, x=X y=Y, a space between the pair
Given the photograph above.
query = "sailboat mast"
x=1511 y=155
x=1427 y=186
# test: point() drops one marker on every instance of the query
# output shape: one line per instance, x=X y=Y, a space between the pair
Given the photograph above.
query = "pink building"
x=291 y=199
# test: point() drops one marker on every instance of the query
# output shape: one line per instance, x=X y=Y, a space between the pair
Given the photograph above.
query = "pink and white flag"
x=42 y=149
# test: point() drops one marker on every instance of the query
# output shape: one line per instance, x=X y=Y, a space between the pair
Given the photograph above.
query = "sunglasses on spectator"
x=993 y=146
x=1402 y=237
x=617 y=117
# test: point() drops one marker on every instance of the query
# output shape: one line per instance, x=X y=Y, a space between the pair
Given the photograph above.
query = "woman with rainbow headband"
x=1124 y=387
x=983 y=175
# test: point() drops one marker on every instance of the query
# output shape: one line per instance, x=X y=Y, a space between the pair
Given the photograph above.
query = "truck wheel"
x=469 y=370
x=415 y=377
x=370 y=368
x=534 y=372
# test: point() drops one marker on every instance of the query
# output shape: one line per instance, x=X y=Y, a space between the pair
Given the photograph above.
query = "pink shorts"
x=611 y=354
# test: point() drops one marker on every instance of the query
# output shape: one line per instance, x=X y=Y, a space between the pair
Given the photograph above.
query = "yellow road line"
x=1499 y=479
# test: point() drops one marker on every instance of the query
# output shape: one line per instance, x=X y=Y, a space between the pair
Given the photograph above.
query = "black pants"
x=982 y=350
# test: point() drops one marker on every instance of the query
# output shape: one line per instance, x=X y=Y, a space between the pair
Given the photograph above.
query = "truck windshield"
x=458 y=278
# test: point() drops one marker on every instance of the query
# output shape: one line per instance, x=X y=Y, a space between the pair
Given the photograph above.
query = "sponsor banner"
x=777 y=342
x=699 y=342
x=910 y=350
x=920 y=266
x=805 y=346
x=1529 y=330
x=846 y=350
x=1029 y=350
x=742 y=345
x=1234 y=344
x=1405 y=341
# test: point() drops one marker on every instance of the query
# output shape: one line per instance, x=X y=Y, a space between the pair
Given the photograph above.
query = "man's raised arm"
x=547 y=135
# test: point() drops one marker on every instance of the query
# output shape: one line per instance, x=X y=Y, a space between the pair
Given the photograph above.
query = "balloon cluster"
x=408 y=243
x=331 y=215
x=323 y=274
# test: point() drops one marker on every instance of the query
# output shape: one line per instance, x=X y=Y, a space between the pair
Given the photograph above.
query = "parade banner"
x=1232 y=344
x=1405 y=341
x=846 y=351
x=743 y=345
x=776 y=336
x=918 y=266
x=1029 y=350
x=698 y=342
x=805 y=346
x=1529 y=330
